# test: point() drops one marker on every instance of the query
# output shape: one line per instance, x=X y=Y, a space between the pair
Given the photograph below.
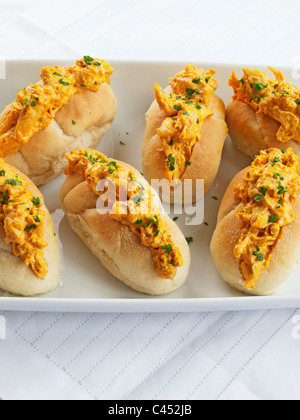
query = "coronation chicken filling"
x=186 y=109
x=23 y=220
x=131 y=204
x=35 y=107
x=267 y=193
x=278 y=99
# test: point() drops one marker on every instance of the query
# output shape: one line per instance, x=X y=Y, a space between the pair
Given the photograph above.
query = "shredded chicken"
x=186 y=109
x=23 y=220
x=278 y=99
x=36 y=106
x=132 y=206
x=268 y=191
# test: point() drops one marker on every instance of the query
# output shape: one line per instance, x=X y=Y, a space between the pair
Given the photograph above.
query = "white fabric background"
x=246 y=355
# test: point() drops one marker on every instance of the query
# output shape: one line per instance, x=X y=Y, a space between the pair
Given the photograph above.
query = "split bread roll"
x=251 y=132
x=207 y=136
x=16 y=277
x=263 y=113
x=77 y=116
x=285 y=254
x=120 y=250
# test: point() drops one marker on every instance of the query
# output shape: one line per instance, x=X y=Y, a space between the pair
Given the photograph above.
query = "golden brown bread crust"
x=18 y=279
x=206 y=156
x=251 y=132
x=43 y=157
x=119 y=250
x=286 y=254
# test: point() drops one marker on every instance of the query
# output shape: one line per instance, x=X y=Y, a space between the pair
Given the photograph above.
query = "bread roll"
x=81 y=122
x=285 y=254
x=16 y=277
x=119 y=249
x=251 y=132
x=263 y=113
x=206 y=153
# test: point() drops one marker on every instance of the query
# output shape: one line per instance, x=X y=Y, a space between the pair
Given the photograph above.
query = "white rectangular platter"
x=86 y=286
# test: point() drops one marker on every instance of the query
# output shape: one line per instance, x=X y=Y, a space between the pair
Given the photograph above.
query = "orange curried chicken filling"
x=267 y=193
x=35 y=107
x=278 y=99
x=132 y=206
x=186 y=109
x=22 y=220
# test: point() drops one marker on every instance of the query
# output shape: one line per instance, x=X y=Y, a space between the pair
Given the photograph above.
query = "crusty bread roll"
x=285 y=256
x=18 y=279
x=252 y=132
x=119 y=250
x=206 y=155
x=93 y=112
x=81 y=120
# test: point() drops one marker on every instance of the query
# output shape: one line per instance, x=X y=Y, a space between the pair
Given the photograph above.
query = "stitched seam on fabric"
x=228 y=352
x=171 y=319
x=115 y=346
x=254 y=356
x=25 y=321
x=93 y=340
x=48 y=328
x=41 y=353
x=194 y=353
x=197 y=323
x=71 y=334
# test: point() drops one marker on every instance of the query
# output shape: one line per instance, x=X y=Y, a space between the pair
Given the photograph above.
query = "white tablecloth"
x=245 y=355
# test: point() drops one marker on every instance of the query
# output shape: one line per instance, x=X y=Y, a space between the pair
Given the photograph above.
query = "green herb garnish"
x=171 y=162
x=3 y=197
x=273 y=219
x=258 y=255
x=275 y=160
x=13 y=182
x=115 y=167
x=167 y=248
x=88 y=60
x=259 y=86
x=36 y=201
x=62 y=82
x=258 y=197
x=30 y=227
x=263 y=190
